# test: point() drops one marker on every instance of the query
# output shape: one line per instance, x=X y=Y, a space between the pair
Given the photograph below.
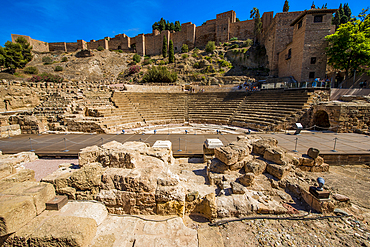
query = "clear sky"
x=70 y=20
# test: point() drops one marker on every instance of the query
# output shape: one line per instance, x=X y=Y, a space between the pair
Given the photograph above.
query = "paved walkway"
x=190 y=144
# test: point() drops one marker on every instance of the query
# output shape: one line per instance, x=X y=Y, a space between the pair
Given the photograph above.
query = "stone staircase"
x=270 y=109
x=215 y=108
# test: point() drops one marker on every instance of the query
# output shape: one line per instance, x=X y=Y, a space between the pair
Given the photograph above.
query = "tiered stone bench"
x=216 y=108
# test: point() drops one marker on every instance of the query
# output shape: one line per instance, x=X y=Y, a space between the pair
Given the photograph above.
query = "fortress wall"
x=267 y=18
x=81 y=44
x=71 y=46
x=94 y=44
x=57 y=46
x=154 y=42
x=120 y=41
x=222 y=30
x=205 y=33
x=185 y=36
x=37 y=45
x=242 y=29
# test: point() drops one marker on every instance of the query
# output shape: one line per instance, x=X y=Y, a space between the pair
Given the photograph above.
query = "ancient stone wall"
x=37 y=45
x=71 y=46
x=304 y=58
x=205 y=33
x=242 y=30
x=94 y=44
x=119 y=42
x=57 y=46
x=314 y=58
x=185 y=36
x=277 y=36
x=154 y=42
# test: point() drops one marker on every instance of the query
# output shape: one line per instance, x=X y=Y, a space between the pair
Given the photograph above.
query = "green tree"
x=237 y=19
x=211 y=46
x=255 y=15
x=337 y=17
x=184 y=48
x=162 y=25
x=286 y=6
x=15 y=55
x=2 y=57
x=164 y=47
x=171 y=55
x=177 y=26
x=349 y=46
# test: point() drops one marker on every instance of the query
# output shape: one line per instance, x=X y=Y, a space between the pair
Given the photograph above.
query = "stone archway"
x=321 y=119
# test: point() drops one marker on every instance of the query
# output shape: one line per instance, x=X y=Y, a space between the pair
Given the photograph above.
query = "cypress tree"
x=171 y=56
x=177 y=26
x=286 y=6
x=347 y=11
x=336 y=19
x=162 y=25
x=255 y=14
x=164 y=47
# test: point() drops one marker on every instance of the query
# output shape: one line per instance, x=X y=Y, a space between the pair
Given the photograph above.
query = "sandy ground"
x=44 y=167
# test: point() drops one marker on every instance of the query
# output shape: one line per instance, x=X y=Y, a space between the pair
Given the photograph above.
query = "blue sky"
x=70 y=20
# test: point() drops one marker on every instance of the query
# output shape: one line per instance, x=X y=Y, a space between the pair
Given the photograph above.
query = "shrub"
x=136 y=58
x=64 y=59
x=162 y=62
x=120 y=51
x=184 y=48
x=233 y=39
x=47 y=60
x=159 y=74
x=134 y=69
x=224 y=63
x=184 y=56
x=46 y=77
x=147 y=61
x=210 y=47
x=234 y=46
x=100 y=48
x=247 y=43
x=31 y=70
x=58 y=68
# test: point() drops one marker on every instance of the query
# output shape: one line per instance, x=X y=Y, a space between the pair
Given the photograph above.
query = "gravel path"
x=44 y=167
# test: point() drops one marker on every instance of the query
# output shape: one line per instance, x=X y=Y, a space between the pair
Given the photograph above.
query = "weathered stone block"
x=40 y=192
x=88 y=177
x=323 y=168
x=217 y=166
x=22 y=175
x=226 y=155
x=15 y=212
x=205 y=206
x=64 y=231
x=89 y=155
x=278 y=171
x=306 y=161
x=260 y=146
x=237 y=188
x=5 y=170
x=247 y=179
x=171 y=208
x=276 y=155
x=256 y=166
